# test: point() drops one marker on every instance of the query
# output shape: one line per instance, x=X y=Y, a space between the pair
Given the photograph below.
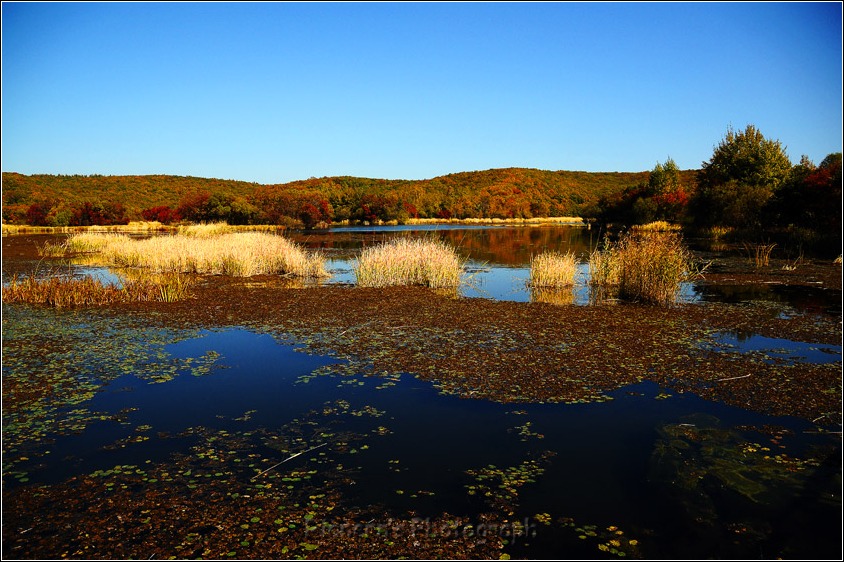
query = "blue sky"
x=274 y=92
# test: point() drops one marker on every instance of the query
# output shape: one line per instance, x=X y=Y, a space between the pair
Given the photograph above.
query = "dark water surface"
x=681 y=474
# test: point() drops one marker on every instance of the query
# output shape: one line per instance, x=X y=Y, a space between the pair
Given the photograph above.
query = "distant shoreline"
x=143 y=226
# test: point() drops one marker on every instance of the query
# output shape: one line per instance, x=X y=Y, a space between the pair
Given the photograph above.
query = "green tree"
x=745 y=171
x=664 y=178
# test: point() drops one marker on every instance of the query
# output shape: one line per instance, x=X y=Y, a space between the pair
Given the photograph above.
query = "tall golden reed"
x=644 y=266
x=553 y=269
x=402 y=261
x=65 y=290
x=240 y=254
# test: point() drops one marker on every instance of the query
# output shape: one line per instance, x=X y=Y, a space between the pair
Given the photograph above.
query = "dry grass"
x=239 y=254
x=402 y=261
x=64 y=290
x=644 y=266
x=133 y=226
x=604 y=267
x=532 y=221
x=211 y=229
x=142 y=227
x=759 y=254
x=657 y=226
x=553 y=269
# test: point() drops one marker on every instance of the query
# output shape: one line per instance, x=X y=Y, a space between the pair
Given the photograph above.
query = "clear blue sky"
x=271 y=93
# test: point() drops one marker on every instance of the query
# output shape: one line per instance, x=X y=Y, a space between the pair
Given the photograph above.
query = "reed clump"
x=759 y=254
x=604 y=267
x=643 y=266
x=430 y=263
x=553 y=269
x=65 y=290
x=658 y=226
x=239 y=254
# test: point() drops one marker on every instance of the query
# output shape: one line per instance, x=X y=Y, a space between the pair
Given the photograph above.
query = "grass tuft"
x=430 y=263
x=759 y=254
x=64 y=290
x=553 y=270
x=240 y=254
x=643 y=266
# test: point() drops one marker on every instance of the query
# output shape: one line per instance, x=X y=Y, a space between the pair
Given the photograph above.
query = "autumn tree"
x=744 y=173
x=664 y=178
x=811 y=198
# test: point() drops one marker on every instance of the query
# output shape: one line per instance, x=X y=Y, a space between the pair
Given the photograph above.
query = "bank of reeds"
x=644 y=266
x=553 y=269
x=574 y=221
x=402 y=261
x=64 y=290
x=657 y=226
x=239 y=254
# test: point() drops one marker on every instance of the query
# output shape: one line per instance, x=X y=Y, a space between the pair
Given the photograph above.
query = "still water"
x=683 y=477
x=679 y=473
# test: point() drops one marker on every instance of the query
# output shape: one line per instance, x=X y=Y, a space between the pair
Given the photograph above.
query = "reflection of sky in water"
x=776 y=349
x=506 y=283
x=499 y=258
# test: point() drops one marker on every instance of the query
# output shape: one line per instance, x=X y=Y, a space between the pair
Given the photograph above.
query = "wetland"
x=272 y=418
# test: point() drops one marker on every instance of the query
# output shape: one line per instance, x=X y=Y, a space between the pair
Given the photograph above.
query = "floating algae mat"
x=236 y=444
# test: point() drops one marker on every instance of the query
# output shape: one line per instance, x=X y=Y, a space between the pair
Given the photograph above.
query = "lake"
x=645 y=471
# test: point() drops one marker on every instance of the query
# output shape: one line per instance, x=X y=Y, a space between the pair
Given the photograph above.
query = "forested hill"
x=497 y=193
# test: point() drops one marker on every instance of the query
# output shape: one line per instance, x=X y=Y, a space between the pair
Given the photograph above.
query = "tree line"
x=499 y=193
x=748 y=187
x=749 y=184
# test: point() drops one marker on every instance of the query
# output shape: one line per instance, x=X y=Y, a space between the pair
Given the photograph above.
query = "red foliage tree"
x=36 y=214
x=161 y=213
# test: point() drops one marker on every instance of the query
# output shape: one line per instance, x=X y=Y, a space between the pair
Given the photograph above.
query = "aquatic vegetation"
x=759 y=254
x=239 y=254
x=553 y=269
x=646 y=266
x=74 y=354
x=66 y=290
x=692 y=454
x=525 y=432
x=499 y=487
x=609 y=539
x=402 y=261
x=604 y=267
x=659 y=226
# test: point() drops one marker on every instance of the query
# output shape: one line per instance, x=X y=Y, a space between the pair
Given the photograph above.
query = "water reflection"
x=498 y=245
x=775 y=350
x=498 y=260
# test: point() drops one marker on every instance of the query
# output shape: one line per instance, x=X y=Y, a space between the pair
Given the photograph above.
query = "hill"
x=496 y=193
